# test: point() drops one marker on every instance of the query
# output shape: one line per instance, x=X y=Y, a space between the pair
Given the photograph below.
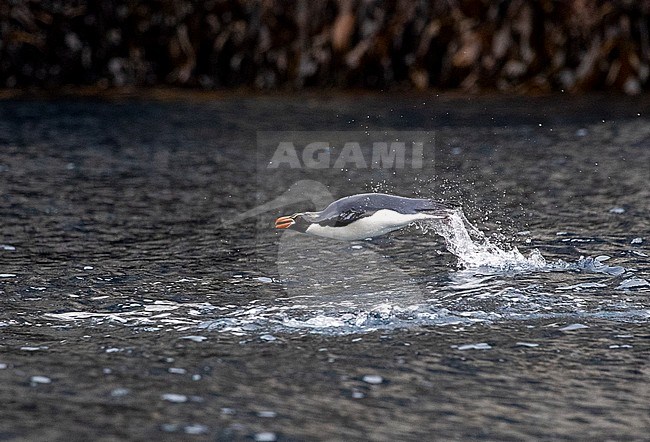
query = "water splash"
x=475 y=250
x=334 y=287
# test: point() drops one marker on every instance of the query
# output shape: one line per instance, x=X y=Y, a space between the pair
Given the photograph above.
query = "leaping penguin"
x=363 y=216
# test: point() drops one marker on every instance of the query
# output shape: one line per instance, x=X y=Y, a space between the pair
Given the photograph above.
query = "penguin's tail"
x=438 y=209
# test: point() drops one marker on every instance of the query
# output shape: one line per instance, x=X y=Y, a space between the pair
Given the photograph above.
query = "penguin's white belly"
x=379 y=223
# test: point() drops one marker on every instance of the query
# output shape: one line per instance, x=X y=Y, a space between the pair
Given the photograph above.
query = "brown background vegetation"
x=518 y=45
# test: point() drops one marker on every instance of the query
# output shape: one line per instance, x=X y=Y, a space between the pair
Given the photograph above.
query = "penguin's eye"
x=307 y=216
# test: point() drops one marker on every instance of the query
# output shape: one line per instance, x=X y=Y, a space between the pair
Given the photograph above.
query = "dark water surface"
x=140 y=300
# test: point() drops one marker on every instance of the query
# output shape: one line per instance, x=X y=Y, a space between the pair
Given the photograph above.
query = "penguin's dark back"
x=372 y=202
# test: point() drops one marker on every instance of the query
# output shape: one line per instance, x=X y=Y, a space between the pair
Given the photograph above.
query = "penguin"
x=364 y=216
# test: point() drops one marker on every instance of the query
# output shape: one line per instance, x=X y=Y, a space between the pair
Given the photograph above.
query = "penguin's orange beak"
x=284 y=222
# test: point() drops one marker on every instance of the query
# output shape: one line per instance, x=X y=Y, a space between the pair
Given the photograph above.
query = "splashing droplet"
x=474 y=249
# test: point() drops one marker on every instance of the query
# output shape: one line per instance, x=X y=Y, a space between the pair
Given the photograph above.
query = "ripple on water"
x=337 y=288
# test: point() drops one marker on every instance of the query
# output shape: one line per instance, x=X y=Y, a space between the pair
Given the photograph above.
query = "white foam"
x=474 y=249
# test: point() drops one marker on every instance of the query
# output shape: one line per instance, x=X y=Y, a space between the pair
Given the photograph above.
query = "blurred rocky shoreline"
x=521 y=46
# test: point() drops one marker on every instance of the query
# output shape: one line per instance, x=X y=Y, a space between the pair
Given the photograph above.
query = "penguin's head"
x=297 y=221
